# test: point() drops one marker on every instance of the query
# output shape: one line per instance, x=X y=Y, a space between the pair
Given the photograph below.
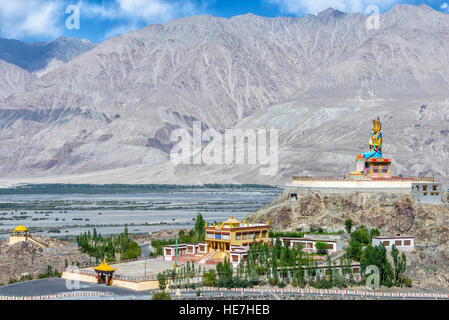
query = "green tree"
x=361 y=235
x=378 y=256
x=399 y=266
x=321 y=247
x=200 y=227
x=162 y=295
x=354 y=250
x=210 y=278
x=162 y=279
x=348 y=225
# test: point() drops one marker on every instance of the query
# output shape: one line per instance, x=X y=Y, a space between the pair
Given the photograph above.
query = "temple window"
x=398 y=243
x=238 y=236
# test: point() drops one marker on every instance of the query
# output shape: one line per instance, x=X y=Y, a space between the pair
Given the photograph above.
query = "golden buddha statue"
x=375 y=145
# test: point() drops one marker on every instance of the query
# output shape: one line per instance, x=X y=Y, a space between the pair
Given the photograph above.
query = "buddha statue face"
x=376 y=125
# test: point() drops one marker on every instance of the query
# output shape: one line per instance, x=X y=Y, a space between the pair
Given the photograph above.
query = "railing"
x=115 y=276
x=322 y=292
x=395 y=178
x=58 y=296
x=120 y=261
x=308 y=178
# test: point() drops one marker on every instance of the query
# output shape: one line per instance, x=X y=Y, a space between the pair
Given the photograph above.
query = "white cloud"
x=444 y=6
x=45 y=18
x=25 y=18
x=130 y=14
x=314 y=6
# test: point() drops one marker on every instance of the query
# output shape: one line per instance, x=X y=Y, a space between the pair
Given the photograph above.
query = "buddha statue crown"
x=377 y=125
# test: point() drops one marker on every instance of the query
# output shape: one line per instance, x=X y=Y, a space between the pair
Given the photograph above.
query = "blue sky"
x=44 y=20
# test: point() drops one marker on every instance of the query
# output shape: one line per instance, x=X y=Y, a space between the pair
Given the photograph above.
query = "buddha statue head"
x=376 y=125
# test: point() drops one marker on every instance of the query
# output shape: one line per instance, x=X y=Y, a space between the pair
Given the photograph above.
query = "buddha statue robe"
x=375 y=145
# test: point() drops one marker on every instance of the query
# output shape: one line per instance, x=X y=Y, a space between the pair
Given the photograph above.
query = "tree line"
x=95 y=245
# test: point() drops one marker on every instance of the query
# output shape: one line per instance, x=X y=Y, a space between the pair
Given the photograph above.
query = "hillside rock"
x=13 y=79
x=29 y=258
x=392 y=214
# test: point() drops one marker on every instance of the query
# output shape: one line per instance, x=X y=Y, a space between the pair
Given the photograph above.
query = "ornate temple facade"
x=230 y=239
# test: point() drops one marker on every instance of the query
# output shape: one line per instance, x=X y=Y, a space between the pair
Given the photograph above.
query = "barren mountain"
x=36 y=56
x=13 y=79
x=106 y=116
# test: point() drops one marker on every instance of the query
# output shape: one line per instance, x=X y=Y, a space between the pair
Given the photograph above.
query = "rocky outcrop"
x=29 y=258
x=392 y=214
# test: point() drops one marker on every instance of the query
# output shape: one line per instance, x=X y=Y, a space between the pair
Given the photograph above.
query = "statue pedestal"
x=378 y=168
x=375 y=168
x=357 y=175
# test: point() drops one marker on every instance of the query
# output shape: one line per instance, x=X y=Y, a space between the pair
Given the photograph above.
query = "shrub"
x=132 y=252
x=322 y=284
x=162 y=279
x=348 y=225
x=361 y=235
x=407 y=282
x=210 y=278
x=374 y=232
x=273 y=281
x=321 y=247
x=161 y=295
x=281 y=284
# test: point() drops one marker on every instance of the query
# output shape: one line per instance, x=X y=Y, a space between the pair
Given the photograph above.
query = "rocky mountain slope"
x=107 y=115
x=13 y=79
x=36 y=56
x=28 y=258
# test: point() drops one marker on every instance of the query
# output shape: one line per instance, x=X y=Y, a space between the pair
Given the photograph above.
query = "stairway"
x=207 y=257
x=40 y=244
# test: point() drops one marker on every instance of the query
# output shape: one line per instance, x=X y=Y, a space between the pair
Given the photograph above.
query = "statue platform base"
x=357 y=175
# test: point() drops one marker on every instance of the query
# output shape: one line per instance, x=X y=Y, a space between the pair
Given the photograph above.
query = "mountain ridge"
x=317 y=80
